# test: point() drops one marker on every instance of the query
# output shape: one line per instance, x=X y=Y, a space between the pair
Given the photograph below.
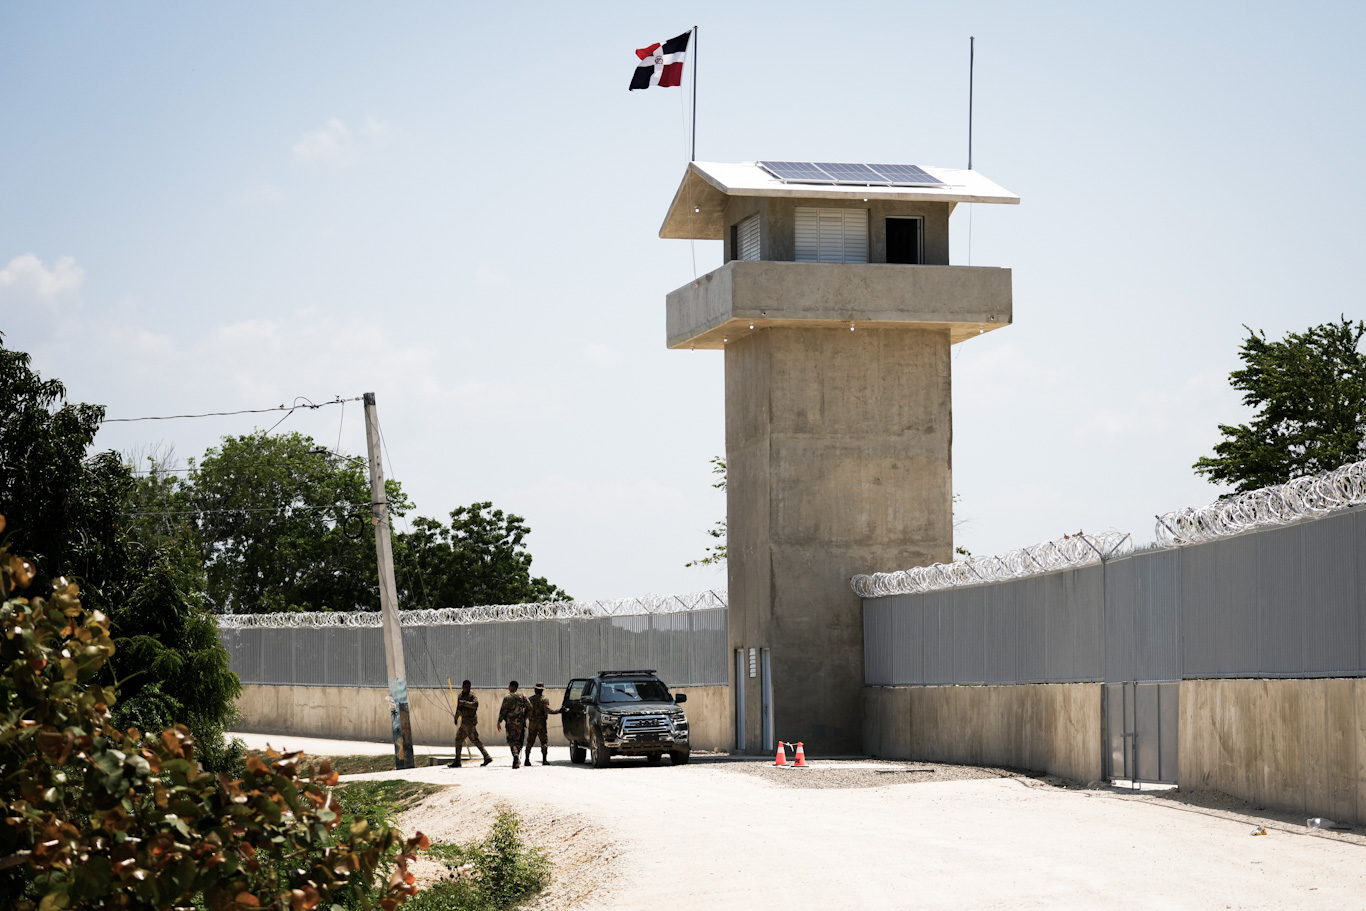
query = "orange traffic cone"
x=801 y=756
x=782 y=755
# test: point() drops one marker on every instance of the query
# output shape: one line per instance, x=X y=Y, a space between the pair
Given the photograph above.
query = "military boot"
x=487 y=757
x=516 y=759
x=545 y=756
x=527 y=760
x=454 y=763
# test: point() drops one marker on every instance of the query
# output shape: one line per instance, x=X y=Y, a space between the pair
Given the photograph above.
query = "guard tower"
x=836 y=308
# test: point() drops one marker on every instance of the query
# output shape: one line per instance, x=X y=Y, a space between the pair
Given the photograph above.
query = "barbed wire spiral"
x=1068 y=552
x=448 y=616
x=1281 y=504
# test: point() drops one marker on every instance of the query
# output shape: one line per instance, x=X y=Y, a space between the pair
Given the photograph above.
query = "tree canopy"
x=285 y=525
x=71 y=510
x=479 y=558
x=1309 y=392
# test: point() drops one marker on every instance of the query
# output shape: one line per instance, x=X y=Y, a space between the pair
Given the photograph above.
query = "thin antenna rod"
x=972 y=53
x=694 y=96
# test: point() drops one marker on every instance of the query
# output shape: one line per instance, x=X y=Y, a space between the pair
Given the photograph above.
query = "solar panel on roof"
x=847 y=172
x=795 y=170
x=904 y=173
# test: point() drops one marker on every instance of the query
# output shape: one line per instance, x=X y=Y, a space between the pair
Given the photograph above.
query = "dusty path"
x=712 y=835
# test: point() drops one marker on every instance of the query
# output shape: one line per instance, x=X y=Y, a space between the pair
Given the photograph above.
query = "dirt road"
x=711 y=835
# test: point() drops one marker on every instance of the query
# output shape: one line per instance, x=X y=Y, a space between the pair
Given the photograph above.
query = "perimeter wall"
x=1235 y=665
x=330 y=681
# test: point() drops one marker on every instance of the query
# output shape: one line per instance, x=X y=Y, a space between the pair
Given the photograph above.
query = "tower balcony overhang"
x=726 y=303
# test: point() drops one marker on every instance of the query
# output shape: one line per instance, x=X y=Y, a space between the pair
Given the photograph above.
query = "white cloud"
x=330 y=144
x=26 y=276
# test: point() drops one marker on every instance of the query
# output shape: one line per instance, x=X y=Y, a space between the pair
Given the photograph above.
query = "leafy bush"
x=492 y=875
x=92 y=817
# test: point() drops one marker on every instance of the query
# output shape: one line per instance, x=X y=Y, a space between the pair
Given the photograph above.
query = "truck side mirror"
x=681 y=698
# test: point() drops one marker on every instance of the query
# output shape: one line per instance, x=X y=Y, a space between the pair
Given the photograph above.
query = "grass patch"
x=495 y=874
x=378 y=802
x=344 y=765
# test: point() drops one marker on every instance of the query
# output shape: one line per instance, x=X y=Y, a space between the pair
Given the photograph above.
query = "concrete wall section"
x=838 y=448
x=1052 y=728
x=362 y=713
x=1294 y=745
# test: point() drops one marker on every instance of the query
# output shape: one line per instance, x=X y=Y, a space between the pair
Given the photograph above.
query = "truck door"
x=572 y=720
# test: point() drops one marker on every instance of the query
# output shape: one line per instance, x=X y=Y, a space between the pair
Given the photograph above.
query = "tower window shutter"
x=832 y=235
x=747 y=235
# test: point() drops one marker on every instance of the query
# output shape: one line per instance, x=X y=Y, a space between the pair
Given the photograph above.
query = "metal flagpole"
x=694 y=96
x=972 y=53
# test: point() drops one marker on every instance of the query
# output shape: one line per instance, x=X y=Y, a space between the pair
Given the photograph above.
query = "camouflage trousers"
x=516 y=733
x=467 y=731
x=534 y=730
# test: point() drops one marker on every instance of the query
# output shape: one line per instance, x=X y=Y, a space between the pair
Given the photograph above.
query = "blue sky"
x=457 y=208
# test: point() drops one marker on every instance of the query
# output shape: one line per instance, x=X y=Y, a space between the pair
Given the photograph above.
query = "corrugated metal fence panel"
x=938 y=637
x=879 y=640
x=1002 y=634
x=1031 y=607
x=1279 y=619
x=969 y=634
x=1280 y=602
x=1157 y=614
x=1329 y=602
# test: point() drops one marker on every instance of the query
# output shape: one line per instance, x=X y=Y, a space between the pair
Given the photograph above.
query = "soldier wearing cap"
x=536 y=723
x=514 y=711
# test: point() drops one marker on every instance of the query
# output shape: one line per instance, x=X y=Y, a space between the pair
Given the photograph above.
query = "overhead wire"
x=220 y=414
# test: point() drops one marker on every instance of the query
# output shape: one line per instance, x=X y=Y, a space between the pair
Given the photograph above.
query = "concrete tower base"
x=838 y=451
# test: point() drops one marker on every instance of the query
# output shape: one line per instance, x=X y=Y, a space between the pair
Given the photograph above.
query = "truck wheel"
x=653 y=758
x=679 y=757
x=577 y=754
x=600 y=755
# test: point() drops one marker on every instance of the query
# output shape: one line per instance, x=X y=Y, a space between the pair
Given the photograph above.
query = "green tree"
x=75 y=511
x=716 y=553
x=480 y=558
x=98 y=818
x=285 y=526
x=1309 y=392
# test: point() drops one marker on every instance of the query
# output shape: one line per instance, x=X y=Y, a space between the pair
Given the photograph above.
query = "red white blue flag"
x=661 y=64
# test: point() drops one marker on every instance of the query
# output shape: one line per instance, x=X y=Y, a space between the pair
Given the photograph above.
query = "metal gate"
x=1141 y=731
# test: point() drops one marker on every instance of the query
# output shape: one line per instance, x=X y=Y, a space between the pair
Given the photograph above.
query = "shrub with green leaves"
x=92 y=817
x=492 y=875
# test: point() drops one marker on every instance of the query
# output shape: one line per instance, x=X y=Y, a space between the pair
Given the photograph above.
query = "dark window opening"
x=903 y=241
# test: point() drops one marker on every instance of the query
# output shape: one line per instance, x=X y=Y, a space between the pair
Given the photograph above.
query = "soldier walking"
x=539 y=708
x=467 y=717
x=514 y=712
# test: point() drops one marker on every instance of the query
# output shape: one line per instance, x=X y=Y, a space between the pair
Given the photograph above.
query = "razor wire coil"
x=1068 y=552
x=496 y=613
x=1281 y=504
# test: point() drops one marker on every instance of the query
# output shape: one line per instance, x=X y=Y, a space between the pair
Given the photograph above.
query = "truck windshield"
x=634 y=691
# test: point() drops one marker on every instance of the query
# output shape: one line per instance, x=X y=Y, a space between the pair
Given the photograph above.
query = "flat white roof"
x=707 y=184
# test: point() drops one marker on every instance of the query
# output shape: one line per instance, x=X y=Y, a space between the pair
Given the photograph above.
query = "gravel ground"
x=867 y=774
x=853 y=835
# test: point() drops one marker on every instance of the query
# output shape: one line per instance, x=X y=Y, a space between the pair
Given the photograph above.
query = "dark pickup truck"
x=626 y=713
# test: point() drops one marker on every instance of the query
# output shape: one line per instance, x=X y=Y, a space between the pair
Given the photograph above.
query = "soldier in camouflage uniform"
x=536 y=723
x=514 y=712
x=467 y=716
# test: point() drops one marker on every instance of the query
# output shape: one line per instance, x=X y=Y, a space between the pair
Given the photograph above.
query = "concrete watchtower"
x=836 y=309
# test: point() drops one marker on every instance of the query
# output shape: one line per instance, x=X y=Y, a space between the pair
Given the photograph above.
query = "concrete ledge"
x=965 y=300
x=362 y=713
x=1294 y=745
x=1053 y=728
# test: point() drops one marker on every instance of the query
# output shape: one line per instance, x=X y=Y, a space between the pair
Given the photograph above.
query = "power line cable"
x=219 y=414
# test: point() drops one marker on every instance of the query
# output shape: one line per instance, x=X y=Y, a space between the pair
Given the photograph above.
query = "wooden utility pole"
x=388 y=595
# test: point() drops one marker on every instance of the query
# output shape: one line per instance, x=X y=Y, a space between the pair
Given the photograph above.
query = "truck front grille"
x=644 y=726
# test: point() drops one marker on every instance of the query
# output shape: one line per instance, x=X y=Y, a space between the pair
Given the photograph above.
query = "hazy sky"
x=457 y=207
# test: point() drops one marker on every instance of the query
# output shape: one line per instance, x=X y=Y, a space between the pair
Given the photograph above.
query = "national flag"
x=661 y=64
